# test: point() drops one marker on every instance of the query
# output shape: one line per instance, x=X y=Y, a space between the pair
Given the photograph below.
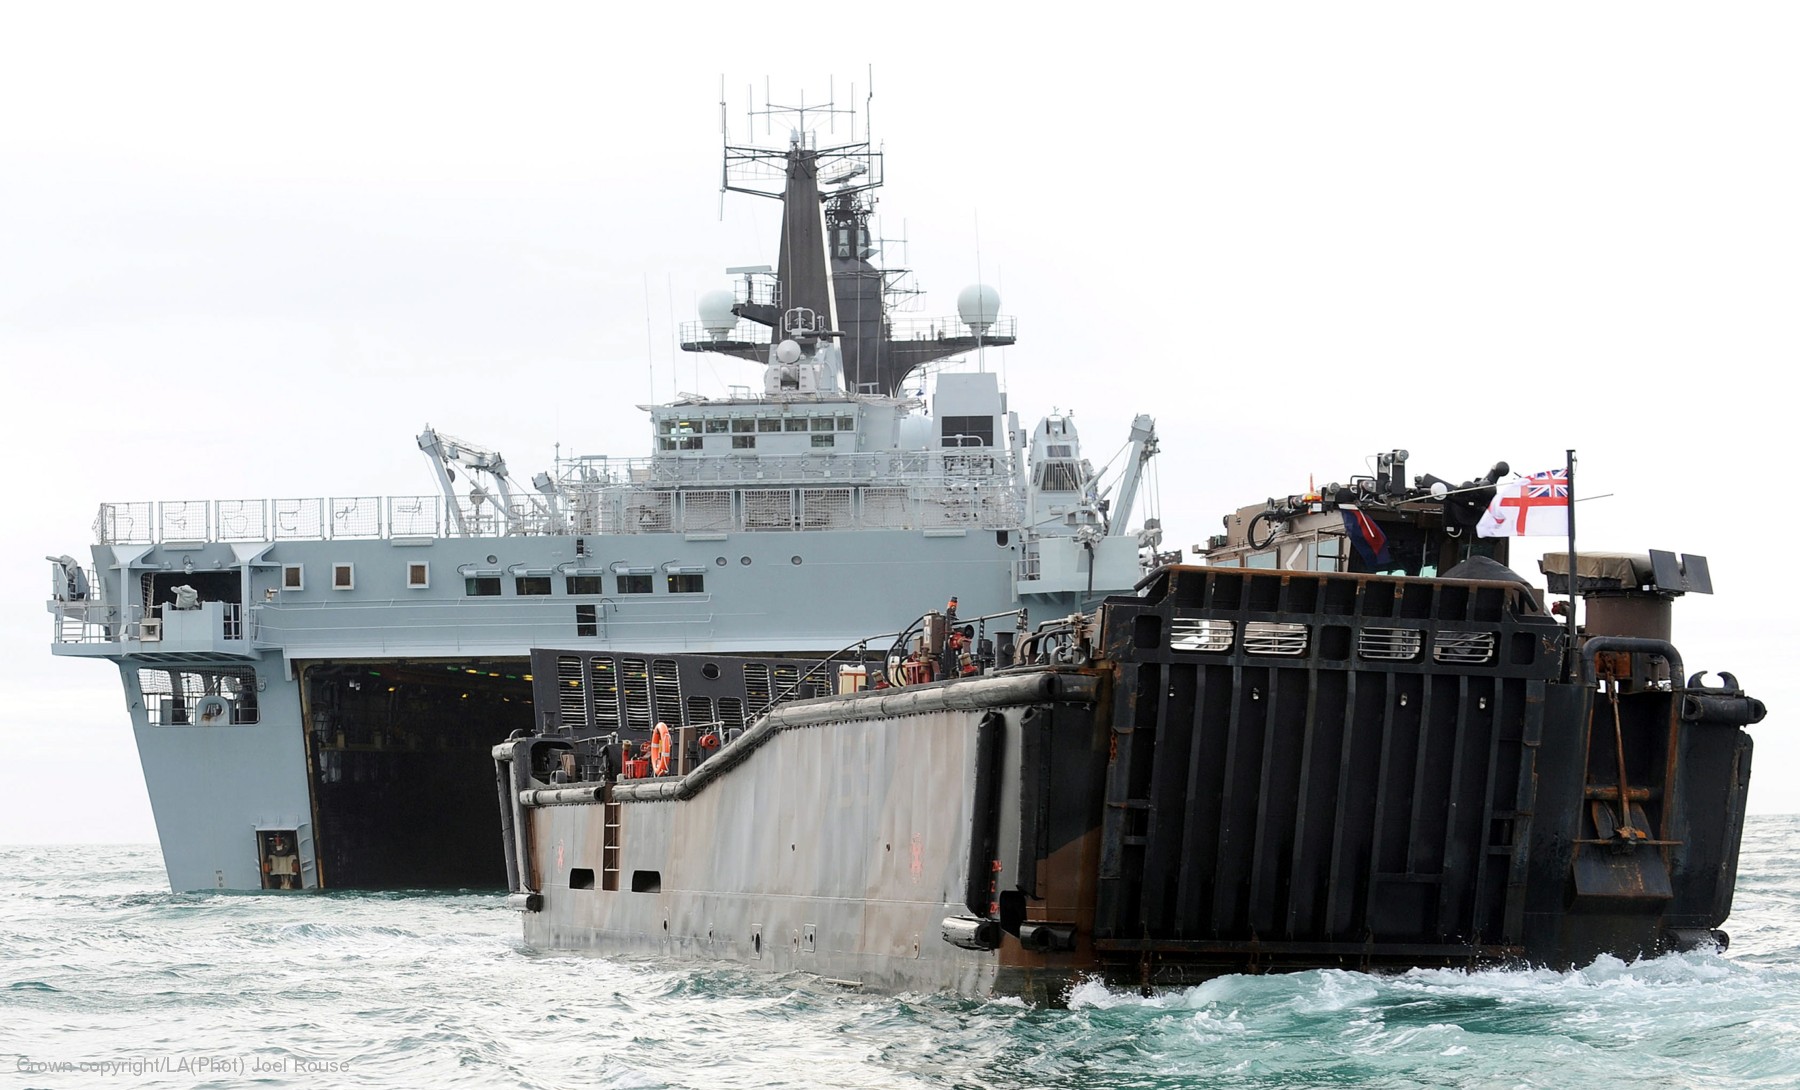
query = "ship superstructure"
x=315 y=683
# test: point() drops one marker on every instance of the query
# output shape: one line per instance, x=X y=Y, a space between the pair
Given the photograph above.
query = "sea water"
x=107 y=980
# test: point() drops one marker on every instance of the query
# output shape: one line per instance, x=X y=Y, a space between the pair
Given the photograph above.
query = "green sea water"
x=106 y=980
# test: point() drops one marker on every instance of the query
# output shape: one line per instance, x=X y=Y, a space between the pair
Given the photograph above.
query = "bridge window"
x=482 y=586
x=768 y=423
x=584 y=584
x=743 y=442
x=824 y=440
x=794 y=423
x=532 y=584
x=717 y=424
x=968 y=431
x=682 y=582
x=636 y=583
x=743 y=424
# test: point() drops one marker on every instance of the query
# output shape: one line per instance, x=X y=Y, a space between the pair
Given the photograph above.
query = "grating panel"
x=606 y=694
x=1275 y=638
x=1201 y=634
x=635 y=683
x=571 y=700
x=1390 y=644
x=1463 y=648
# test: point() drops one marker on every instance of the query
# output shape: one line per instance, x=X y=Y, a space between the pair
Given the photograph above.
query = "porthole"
x=793 y=560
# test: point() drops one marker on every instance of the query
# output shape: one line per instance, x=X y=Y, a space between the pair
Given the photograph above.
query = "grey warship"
x=315 y=683
x=1352 y=737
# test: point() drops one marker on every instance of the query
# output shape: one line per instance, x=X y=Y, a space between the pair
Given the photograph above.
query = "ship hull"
x=1298 y=795
x=358 y=722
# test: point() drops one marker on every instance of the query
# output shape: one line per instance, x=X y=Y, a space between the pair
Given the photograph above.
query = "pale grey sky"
x=250 y=252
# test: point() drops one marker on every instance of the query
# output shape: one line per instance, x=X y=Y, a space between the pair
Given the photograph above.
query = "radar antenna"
x=824 y=267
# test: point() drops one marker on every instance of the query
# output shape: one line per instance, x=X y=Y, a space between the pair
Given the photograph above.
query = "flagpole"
x=1574 y=658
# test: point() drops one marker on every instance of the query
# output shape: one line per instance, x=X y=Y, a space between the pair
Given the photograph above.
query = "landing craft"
x=1354 y=738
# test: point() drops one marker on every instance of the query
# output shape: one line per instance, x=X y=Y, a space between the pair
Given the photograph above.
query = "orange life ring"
x=659 y=749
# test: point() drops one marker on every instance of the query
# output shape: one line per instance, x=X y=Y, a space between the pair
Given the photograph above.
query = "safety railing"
x=300 y=519
x=891 y=489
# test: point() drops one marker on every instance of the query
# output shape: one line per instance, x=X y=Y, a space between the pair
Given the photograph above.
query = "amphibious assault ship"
x=1353 y=737
x=315 y=683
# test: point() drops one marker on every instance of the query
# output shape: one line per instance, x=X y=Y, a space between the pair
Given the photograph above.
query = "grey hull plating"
x=838 y=842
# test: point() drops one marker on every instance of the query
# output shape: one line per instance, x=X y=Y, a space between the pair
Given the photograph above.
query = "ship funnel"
x=979 y=307
x=715 y=314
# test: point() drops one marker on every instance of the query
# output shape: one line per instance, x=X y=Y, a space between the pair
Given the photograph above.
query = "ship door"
x=284 y=857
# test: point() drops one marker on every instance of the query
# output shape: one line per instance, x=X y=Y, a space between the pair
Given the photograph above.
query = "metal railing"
x=1004 y=329
x=854 y=490
x=304 y=519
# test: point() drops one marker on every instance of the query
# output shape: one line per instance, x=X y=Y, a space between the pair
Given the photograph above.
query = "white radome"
x=715 y=313
x=979 y=306
x=788 y=351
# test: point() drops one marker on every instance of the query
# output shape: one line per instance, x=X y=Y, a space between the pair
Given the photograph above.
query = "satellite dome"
x=788 y=351
x=979 y=307
x=715 y=313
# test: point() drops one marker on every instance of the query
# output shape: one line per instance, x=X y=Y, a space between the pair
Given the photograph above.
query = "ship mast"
x=825 y=285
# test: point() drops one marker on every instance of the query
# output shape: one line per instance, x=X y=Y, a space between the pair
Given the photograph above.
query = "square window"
x=418 y=575
x=824 y=440
x=343 y=577
x=532 y=584
x=584 y=584
x=743 y=442
x=636 y=584
x=293 y=577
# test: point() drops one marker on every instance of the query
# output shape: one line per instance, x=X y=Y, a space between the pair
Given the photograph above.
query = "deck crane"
x=445 y=451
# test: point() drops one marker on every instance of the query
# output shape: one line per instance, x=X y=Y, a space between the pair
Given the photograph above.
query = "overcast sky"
x=251 y=251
